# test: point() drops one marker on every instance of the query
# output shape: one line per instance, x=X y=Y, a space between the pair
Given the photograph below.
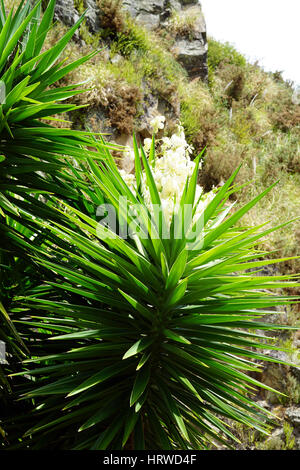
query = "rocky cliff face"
x=190 y=46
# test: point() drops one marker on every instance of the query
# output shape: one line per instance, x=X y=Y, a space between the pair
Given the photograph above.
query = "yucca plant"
x=35 y=158
x=142 y=342
x=32 y=151
x=137 y=342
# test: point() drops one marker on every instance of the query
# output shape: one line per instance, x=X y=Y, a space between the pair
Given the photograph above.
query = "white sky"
x=264 y=30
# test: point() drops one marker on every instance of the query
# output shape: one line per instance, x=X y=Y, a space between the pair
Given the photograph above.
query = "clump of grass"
x=80 y=6
x=198 y=114
x=235 y=81
x=284 y=111
x=118 y=26
x=112 y=17
x=109 y=91
x=259 y=88
x=219 y=53
x=183 y=23
x=247 y=85
x=122 y=107
x=283 y=155
x=287 y=119
x=249 y=124
x=293 y=389
x=222 y=158
x=132 y=38
x=93 y=40
x=279 y=442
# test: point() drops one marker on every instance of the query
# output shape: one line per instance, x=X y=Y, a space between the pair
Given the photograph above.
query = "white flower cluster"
x=158 y=123
x=170 y=172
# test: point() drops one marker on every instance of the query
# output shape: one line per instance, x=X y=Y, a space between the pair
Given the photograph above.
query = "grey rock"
x=278 y=355
x=274 y=375
x=189 y=2
x=275 y=441
x=116 y=59
x=296 y=372
x=293 y=415
x=93 y=16
x=131 y=7
x=148 y=12
x=277 y=375
x=282 y=356
x=193 y=56
x=96 y=119
x=149 y=20
x=264 y=404
x=150 y=107
x=153 y=6
x=174 y=4
x=136 y=7
x=191 y=49
x=66 y=12
x=278 y=433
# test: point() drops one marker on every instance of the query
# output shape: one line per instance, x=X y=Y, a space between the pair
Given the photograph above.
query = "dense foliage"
x=117 y=342
x=243 y=115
